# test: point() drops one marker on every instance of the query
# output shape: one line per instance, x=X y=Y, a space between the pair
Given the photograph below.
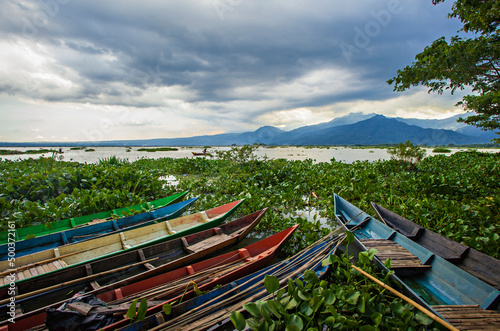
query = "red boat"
x=212 y=272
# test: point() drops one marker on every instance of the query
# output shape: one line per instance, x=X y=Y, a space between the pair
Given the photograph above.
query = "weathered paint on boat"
x=169 y=255
x=438 y=282
x=242 y=288
x=257 y=255
x=62 y=225
x=116 y=243
x=478 y=264
x=88 y=232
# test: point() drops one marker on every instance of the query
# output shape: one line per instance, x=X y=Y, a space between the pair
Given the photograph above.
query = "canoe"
x=42 y=291
x=478 y=264
x=88 y=232
x=198 y=154
x=215 y=306
x=217 y=270
x=226 y=268
x=62 y=225
x=432 y=281
x=116 y=243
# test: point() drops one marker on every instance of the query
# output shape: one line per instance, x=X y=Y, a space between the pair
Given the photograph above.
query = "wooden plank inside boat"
x=400 y=257
x=208 y=242
x=471 y=317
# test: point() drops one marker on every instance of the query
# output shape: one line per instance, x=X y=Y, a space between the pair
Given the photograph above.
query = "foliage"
x=463 y=62
x=407 y=152
x=346 y=300
x=137 y=314
x=441 y=150
x=15 y=152
x=159 y=149
x=462 y=203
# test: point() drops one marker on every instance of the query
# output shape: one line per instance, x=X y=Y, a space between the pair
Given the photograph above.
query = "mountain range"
x=353 y=129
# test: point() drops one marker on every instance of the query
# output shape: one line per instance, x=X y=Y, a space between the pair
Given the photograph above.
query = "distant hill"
x=353 y=129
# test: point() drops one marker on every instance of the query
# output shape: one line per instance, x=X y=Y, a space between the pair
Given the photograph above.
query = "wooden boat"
x=136 y=265
x=83 y=252
x=199 y=154
x=434 y=282
x=222 y=270
x=215 y=306
x=88 y=232
x=208 y=273
x=62 y=225
x=478 y=264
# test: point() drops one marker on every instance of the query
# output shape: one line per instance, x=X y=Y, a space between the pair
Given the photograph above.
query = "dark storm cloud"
x=114 y=52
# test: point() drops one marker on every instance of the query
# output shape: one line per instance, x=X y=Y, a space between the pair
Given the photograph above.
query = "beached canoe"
x=88 y=232
x=214 y=307
x=206 y=274
x=478 y=264
x=171 y=286
x=133 y=266
x=116 y=243
x=62 y=225
x=432 y=281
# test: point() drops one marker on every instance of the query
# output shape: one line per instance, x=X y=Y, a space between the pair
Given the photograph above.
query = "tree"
x=407 y=152
x=464 y=62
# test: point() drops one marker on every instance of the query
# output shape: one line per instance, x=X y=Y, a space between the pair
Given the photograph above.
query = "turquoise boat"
x=88 y=232
x=432 y=281
x=62 y=225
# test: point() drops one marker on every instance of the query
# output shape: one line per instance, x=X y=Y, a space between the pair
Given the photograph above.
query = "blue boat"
x=433 y=282
x=75 y=235
x=214 y=305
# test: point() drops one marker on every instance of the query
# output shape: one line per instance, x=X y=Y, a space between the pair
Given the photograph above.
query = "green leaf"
x=143 y=308
x=352 y=297
x=423 y=319
x=376 y=318
x=311 y=277
x=329 y=296
x=292 y=304
x=252 y=308
x=132 y=311
x=271 y=283
x=296 y=321
x=398 y=308
x=305 y=309
x=167 y=308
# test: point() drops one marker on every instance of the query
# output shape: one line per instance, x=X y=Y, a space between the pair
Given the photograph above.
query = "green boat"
x=63 y=225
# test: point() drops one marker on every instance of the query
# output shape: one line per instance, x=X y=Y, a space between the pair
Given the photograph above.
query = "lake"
x=342 y=154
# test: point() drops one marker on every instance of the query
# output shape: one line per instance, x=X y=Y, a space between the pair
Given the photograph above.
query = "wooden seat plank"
x=470 y=317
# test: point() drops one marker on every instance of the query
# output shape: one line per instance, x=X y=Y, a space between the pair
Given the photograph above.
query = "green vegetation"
x=14 y=152
x=90 y=150
x=345 y=300
x=407 y=152
x=76 y=148
x=159 y=149
x=463 y=63
x=462 y=203
x=441 y=150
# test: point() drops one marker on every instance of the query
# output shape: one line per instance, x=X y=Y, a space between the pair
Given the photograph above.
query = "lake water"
x=343 y=154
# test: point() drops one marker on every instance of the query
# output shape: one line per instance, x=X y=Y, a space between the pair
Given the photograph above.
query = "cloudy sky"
x=73 y=70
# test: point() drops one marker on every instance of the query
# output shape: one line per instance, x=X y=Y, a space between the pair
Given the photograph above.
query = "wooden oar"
x=31 y=265
x=410 y=301
x=74 y=281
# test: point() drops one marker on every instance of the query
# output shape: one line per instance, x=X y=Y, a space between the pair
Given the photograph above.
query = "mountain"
x=353 y=129
x=382 y=130
x=451 y=123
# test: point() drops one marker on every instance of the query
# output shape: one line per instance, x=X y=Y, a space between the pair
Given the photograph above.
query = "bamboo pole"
x=410 y=301
x=74 y=281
